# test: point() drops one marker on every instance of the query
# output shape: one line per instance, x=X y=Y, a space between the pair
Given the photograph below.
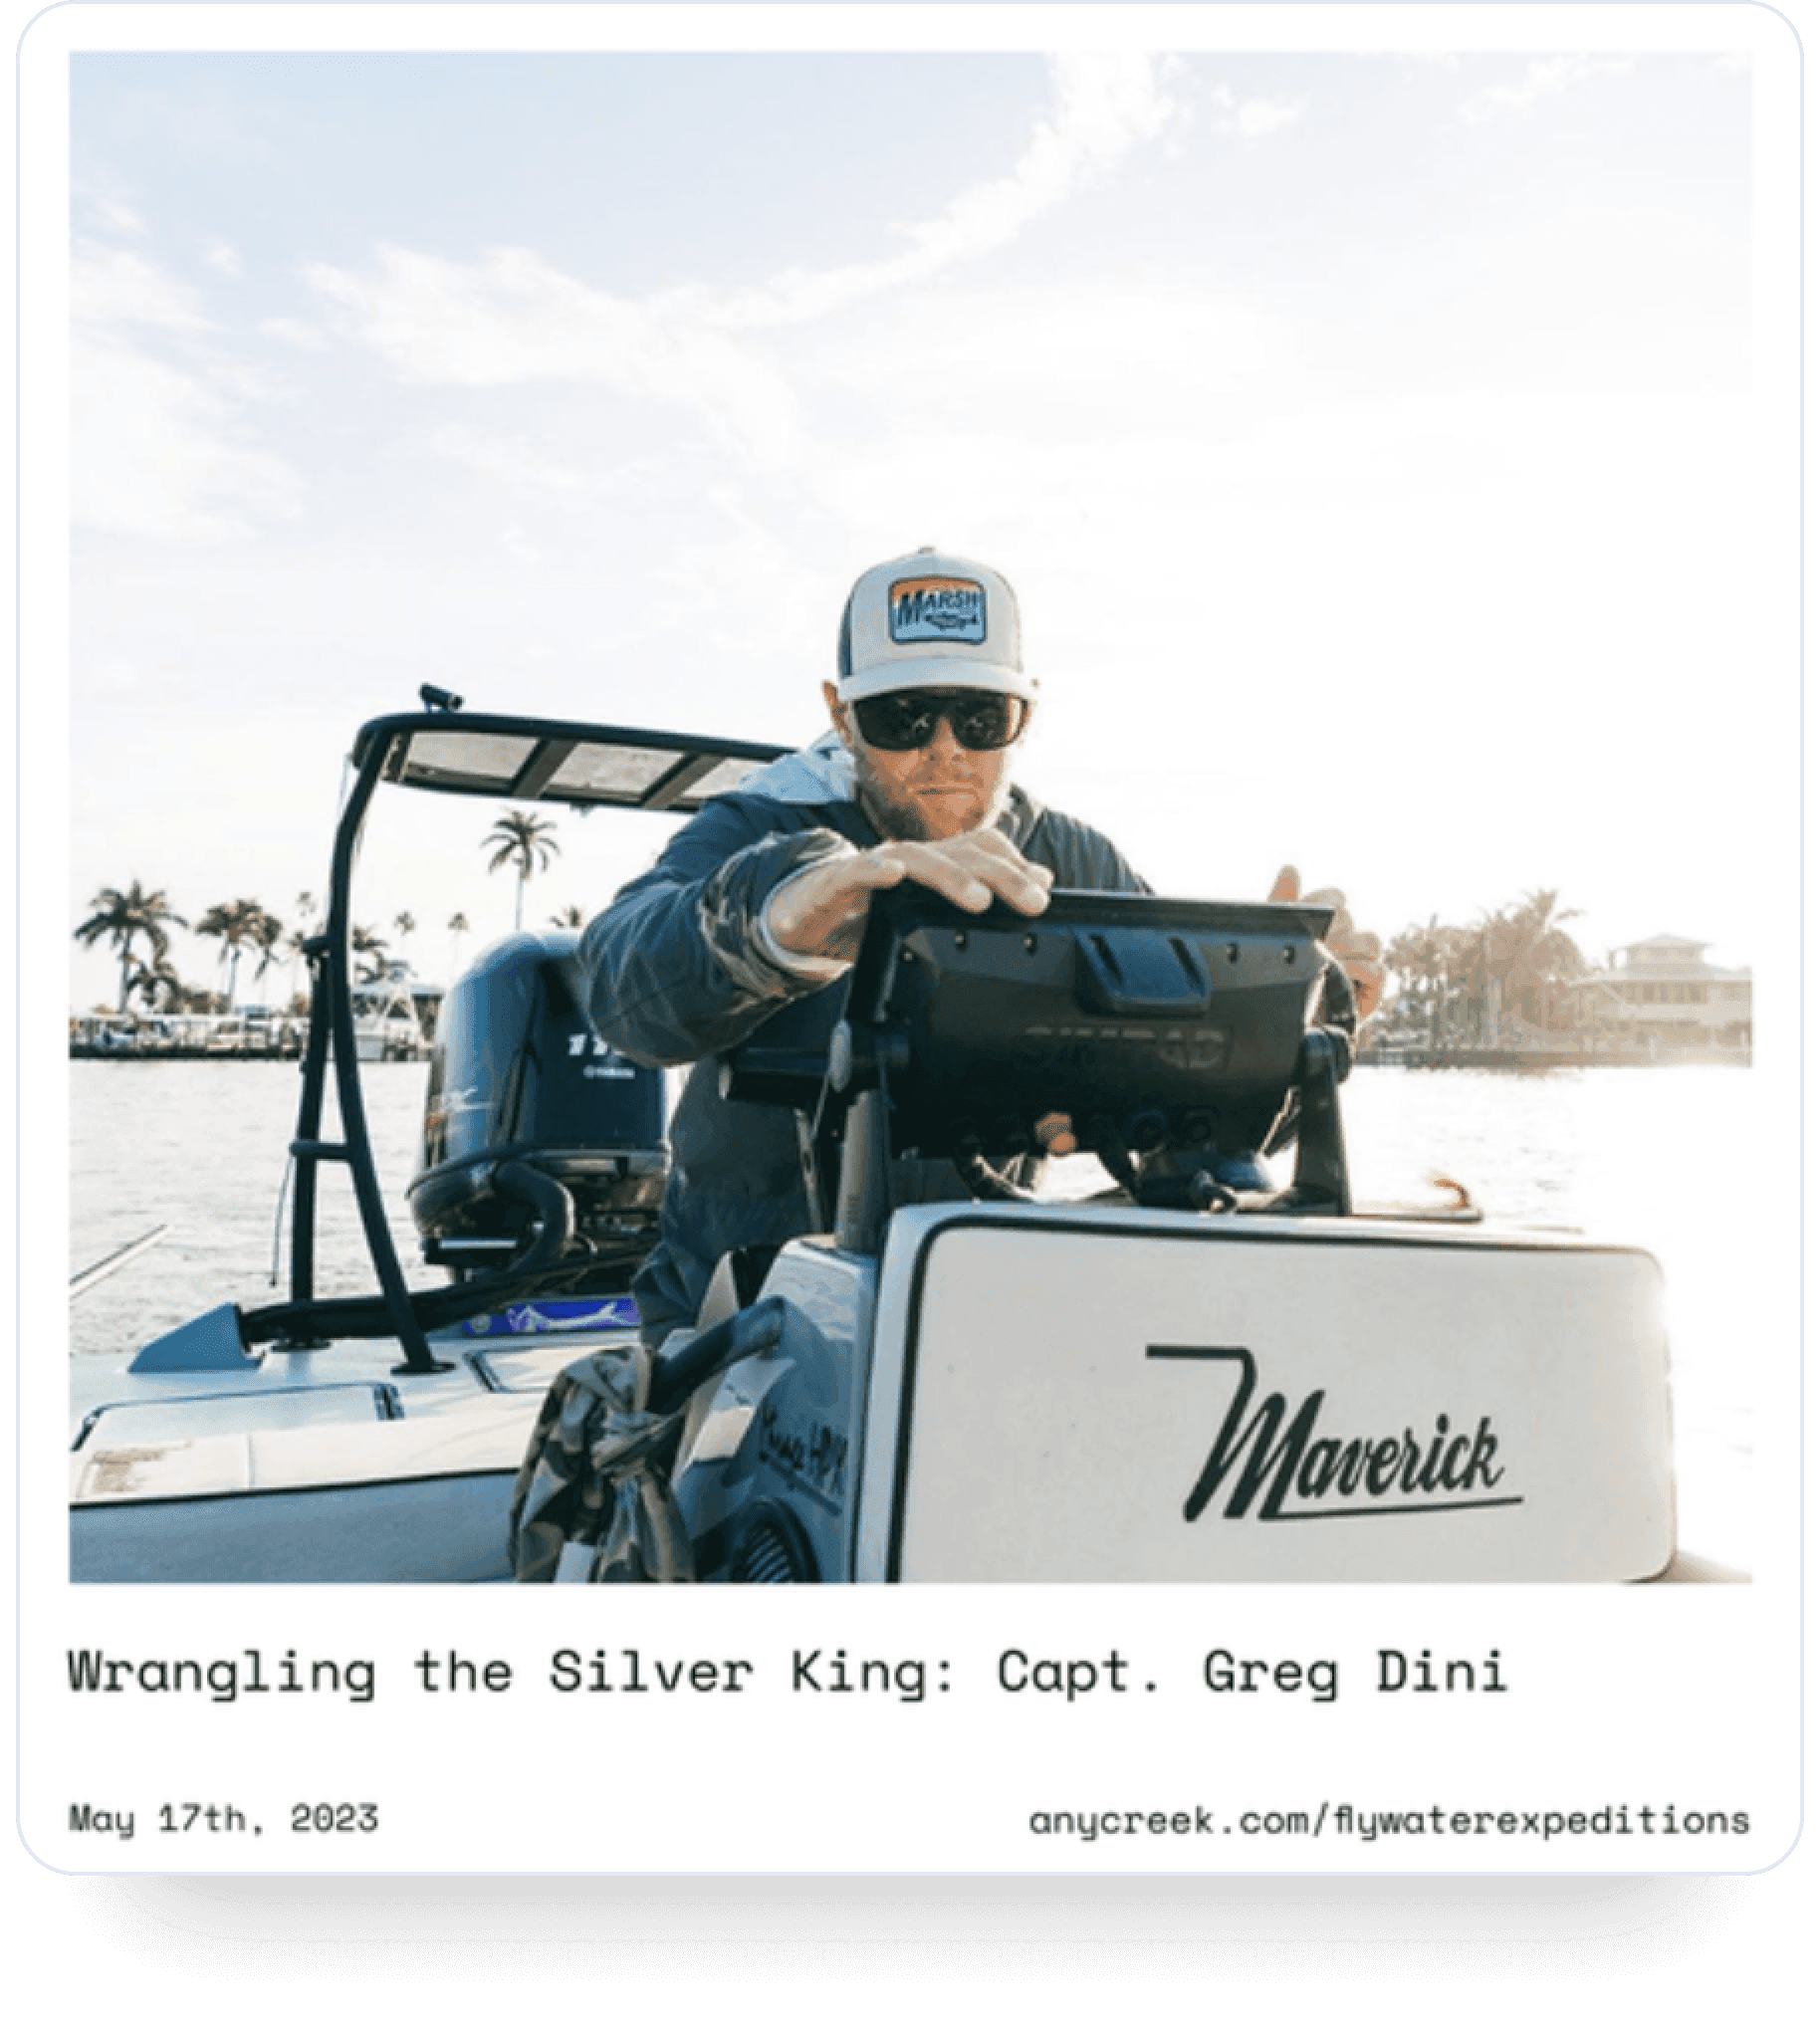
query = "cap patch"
x=938 y=610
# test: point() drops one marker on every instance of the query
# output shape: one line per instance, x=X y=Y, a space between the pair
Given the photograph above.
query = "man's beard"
x=903 y=817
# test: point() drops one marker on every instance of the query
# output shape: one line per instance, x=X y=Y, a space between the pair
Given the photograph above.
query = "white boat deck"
x=371 y=1473
x=318 y=1420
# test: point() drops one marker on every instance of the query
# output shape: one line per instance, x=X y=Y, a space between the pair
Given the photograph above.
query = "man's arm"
x=735 y=921
x=823 y=912
x=675 y=964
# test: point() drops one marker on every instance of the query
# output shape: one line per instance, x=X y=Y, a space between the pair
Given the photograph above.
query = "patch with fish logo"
x=933 y=609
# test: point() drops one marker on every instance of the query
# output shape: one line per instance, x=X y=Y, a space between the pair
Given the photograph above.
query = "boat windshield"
x=476 y=755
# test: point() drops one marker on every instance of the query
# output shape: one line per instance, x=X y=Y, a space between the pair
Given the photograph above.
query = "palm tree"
x=1545 y=957
x=1441 y=972
x=268 y=936
x=293 y=944
x=569 y=919
x=123 y=918
x=1507 y=973
x=1520 y=958
x=155 y=981
x=1419 y=957
x=238 y=924
x=308 y=923
x=526 y=842
x=404 y=924
x=189 y=1000
x=366 y=944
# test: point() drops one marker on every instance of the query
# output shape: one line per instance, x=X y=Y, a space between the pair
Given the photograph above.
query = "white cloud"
x=1251 y=118
x=152 y=452
x=1543 y=78
x=109 y=286
x=155 y=449
x=511 y=316
x=1088 y=363
x=1105 y=105
x=108 y=212
x=1265 y=116
x=223 y=258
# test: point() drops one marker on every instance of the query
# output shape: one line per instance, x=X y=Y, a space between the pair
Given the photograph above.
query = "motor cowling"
x=518 y=1073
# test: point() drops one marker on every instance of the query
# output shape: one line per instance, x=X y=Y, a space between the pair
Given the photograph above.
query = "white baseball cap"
x=930 y=619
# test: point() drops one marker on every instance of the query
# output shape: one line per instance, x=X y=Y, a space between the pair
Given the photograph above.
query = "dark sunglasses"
x=897 y=721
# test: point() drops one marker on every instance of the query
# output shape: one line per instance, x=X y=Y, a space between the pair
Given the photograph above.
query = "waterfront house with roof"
x=1662 y=995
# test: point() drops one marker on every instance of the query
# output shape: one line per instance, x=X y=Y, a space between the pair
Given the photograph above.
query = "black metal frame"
x=379 y=752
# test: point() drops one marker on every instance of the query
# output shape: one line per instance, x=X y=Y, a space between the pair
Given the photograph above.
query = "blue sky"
x=1377 y=443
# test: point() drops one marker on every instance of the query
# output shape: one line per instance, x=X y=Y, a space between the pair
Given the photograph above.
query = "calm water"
x=1659 y=1157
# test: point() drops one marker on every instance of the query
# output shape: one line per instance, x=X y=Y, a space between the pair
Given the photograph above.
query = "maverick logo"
x=938 y=610
x=1307 y=1469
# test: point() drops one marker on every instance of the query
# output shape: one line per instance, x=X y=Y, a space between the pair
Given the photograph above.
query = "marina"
x=1553 y=1057
x=393 y=1022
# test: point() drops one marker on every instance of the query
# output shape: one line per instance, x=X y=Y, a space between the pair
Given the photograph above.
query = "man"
x=759 y=902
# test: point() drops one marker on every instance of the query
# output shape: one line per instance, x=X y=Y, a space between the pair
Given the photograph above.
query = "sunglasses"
x=897 y=721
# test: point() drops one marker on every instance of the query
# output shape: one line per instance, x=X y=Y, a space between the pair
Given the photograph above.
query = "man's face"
x=936 y=792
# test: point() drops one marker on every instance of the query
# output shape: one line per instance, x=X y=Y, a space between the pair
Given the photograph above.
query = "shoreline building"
x=1665 y=997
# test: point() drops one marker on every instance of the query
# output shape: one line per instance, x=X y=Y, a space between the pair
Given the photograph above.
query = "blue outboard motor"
x=518 y=1073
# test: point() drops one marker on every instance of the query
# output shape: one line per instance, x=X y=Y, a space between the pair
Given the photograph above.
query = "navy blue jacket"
x=676 y=974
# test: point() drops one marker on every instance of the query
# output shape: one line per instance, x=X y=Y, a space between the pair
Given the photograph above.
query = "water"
x=203 y=1147
x=1664 y=1157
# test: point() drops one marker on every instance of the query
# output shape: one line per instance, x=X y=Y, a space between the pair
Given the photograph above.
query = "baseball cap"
x=929 y=619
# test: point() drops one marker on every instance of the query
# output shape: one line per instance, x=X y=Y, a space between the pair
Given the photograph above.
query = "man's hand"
x=1359 y=952
x=822 y=911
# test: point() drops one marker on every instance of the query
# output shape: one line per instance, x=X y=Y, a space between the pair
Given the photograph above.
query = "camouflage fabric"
x=596 y=1473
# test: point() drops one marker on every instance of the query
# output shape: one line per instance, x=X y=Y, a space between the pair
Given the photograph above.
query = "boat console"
x=1151 y=1383
x=1174 y=1040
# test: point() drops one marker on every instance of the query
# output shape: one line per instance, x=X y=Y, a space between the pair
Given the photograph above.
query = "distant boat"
x=385 y=1023
x=246 y=1034
x=1545 y=1057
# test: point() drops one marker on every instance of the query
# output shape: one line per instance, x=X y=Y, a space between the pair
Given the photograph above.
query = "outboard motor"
x=517 y=1073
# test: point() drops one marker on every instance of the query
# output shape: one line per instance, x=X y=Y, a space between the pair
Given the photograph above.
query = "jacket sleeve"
x=672 y=967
